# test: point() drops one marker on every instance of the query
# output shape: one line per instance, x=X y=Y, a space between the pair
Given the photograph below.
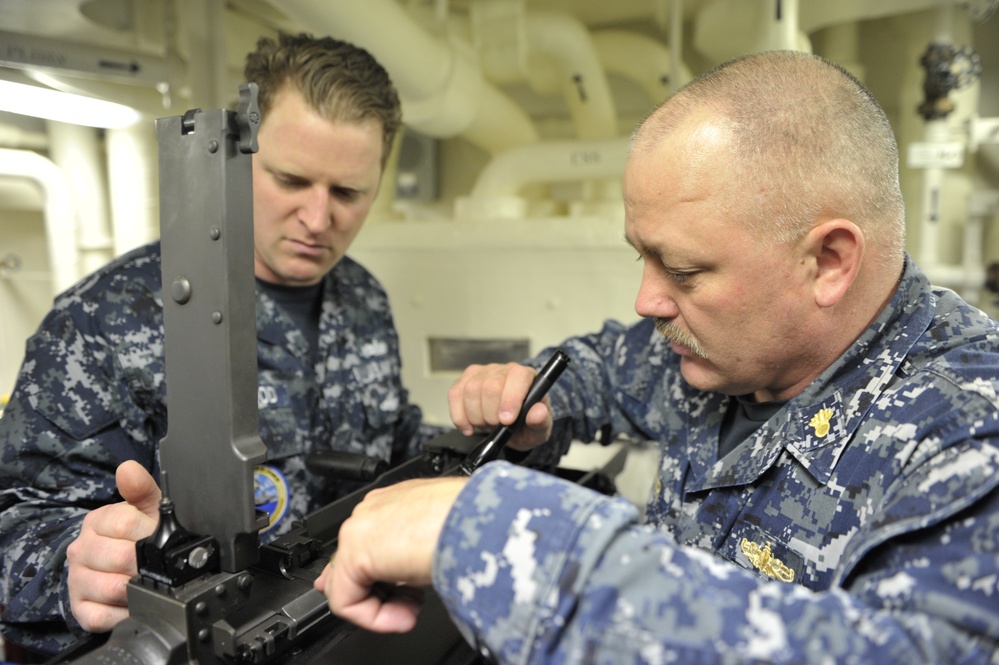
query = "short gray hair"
x=810 y=134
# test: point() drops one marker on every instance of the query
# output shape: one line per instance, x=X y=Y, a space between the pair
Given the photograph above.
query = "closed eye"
x=680 y=277
x=345 y=193
x=291 y=182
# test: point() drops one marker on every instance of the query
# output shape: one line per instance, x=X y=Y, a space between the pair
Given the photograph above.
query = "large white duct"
x=936 y=133
x=817 y=15
x=726 y=29
x=202 y=29
x=133 y=178
x=946 y=185
x=784 y=31
x=577 y=74
x=60 y=225
x=77 y=152
x=640 y=59
x=551 y=161
x=553 y=52
x=15 y=137
x=842 y=46
x=442 y=89
x=495 y=194
x=556 y=55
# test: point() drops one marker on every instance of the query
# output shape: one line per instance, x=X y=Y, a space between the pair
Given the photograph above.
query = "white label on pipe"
x=948 y=155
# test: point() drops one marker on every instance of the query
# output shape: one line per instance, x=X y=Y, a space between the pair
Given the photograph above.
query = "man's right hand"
x=102 y=558
x=486 y=396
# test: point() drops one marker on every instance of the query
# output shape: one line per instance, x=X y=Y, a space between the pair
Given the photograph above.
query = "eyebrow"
x=628 y=241
x=652 y=251
x=663 y=256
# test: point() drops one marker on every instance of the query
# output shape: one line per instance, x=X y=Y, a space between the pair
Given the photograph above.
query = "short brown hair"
x=342 y=82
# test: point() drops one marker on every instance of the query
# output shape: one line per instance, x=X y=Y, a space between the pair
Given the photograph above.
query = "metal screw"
x=198 y=557
x=180 y=290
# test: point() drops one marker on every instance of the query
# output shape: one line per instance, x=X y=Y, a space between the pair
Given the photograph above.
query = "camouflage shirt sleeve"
x=860 y=524
x=78 y=410
x=537 y=570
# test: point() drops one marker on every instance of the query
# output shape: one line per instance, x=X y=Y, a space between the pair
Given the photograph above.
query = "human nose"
x=316 y=211
x=654 y=297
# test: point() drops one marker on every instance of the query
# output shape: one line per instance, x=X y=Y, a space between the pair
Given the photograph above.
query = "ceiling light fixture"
x=64 y=106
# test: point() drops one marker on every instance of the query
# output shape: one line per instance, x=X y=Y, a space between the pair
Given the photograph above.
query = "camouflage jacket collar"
x=817 y=425
x=276 y=327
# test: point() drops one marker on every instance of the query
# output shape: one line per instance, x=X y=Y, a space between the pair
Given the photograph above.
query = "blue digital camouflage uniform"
x=859 y=525
x=91 y=394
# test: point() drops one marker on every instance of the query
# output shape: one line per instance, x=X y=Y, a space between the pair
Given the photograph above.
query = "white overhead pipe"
x=983 y=205
x=941 y=156
x=556 y=55
x=675 y=44
x=642 y=60
x=497 y=31
x=842 y=46
x=60 y=225
x=495 y=194
x=553 y=52
x=784 y=25
x=15 y=137
x=133 y=179
x=442 y=90
x=204 y=30
x=552 y=161
x=819 y=15
x=726 y=29
x=75 y=149
x=936 y=137
x=559 y=38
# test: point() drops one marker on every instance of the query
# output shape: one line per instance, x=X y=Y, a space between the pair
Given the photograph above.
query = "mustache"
x=673 y=333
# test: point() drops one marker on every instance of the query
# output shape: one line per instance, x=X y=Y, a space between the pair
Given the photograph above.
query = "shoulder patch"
x=270 y=494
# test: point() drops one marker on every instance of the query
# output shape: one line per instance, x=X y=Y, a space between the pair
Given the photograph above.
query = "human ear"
x=837 y=247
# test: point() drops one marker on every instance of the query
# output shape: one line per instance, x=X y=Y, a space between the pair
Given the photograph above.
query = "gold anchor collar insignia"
x=821 y=422
x=764 y=561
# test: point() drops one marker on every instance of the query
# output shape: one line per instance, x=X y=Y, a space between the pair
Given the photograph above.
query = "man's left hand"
x=385 y=551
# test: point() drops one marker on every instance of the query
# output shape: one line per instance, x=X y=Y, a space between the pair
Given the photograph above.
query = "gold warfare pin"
x=821 y=421
x=765 y=562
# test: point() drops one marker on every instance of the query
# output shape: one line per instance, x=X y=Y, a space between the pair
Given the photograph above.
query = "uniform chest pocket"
x=376 y=398
x=286 y=411
x=81 y=403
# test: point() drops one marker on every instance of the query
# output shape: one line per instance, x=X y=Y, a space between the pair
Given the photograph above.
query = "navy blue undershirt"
x=742 y=419
x=303 y=304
